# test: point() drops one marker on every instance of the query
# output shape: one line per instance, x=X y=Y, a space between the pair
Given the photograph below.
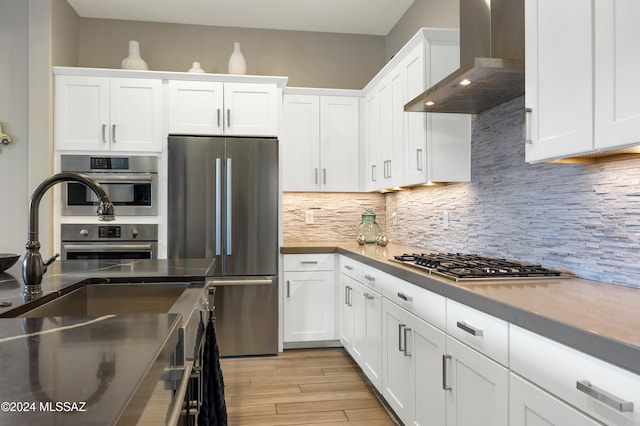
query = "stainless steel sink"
x=106 y=299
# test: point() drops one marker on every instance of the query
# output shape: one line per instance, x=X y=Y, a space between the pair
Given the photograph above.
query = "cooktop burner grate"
x=459 y=266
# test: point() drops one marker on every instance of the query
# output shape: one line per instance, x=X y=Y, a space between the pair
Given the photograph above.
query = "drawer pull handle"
x=406 y=332
x=405 y=297
x=288 y=288
x=604 y=397
x=370 y=278
x=445 y=382
x=309 y=262
x=368 y=296
x=348 y=267
x=469 y=329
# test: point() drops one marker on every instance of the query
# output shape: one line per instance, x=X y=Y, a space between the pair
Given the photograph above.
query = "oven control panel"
x=109 y=232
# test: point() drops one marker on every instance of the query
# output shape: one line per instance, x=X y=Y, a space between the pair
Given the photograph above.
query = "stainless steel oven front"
x=102 y=242
x=130 y=181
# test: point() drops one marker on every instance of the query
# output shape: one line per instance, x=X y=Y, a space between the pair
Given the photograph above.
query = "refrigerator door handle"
x=218 y=205
x=228 y=218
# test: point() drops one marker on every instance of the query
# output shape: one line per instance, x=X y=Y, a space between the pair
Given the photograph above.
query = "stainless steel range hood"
x=491 y=59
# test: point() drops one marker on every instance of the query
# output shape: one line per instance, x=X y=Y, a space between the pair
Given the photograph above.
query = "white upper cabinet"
x=404 y=148
x=320 y=142
x=107 y=113
x=223 y=108
x=581 y=89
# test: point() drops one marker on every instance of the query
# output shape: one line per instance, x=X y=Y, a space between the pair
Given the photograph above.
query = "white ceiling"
x=373 y=17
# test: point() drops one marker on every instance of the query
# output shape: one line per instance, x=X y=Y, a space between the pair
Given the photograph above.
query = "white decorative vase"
x=134 y=61
x=195 y=68
x=237 y=64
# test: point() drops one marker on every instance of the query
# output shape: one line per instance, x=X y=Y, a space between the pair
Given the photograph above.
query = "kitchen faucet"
x=33 y=267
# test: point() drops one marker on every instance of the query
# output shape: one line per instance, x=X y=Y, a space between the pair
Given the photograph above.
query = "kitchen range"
x=471 y=267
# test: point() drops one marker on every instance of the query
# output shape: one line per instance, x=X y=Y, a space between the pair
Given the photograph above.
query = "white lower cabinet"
x=477 y=387
x=531 y=406
x=309 y=298
x=412 y=363
x=361 y=331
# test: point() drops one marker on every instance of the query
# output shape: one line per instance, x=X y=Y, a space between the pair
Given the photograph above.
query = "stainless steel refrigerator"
x=223 y=203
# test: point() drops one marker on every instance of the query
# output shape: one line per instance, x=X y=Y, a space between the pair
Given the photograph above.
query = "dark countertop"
x=64 y=275
x=599 y=319
x=82 y=370
x=112 y=362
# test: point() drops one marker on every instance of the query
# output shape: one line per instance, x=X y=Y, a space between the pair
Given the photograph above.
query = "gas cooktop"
x=468 y=267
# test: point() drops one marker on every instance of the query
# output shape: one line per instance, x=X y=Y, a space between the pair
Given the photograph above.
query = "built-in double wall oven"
x=130 y=181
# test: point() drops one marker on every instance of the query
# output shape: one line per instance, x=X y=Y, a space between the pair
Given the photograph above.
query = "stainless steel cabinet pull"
x=370 y=278
x=218 y=116
x=604 y=397
x=373 y=173
x=469 y=329
x=388 y=169
x=406 y=332
x=368 y=296
x=324 y=176
x=265 y=281
x=350 y=301
x=419 y=159
x=113 y=133
x=348 y=267
x=405 y=297
x=527 y=125
x=104 y=133
x=288 y=288
x=316 y=169
x=445 y=384
x=401 y=334
x=228 y=118
x=309 y=262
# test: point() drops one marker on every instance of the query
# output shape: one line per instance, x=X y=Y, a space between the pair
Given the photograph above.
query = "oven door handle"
x=107 y=246
x=122 y=178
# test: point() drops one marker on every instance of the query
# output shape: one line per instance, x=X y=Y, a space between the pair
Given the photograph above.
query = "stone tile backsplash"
x=580 y=218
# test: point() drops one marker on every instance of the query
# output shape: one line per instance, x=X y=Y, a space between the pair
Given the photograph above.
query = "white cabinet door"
x=301 y=143
x=372 y=173
x=103 y=113
x=531 y=406
x=372 y=359
x=82 y=113
x=250 y=109
x=558 y=79
x=339 y=144
x=352 y=321
x=195 y=107
x=617 y=60
x=397 y=369
x=136 y=113
x=478 y=388
x=309 y=306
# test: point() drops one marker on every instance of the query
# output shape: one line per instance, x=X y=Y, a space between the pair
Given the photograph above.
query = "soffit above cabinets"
x=372 y=17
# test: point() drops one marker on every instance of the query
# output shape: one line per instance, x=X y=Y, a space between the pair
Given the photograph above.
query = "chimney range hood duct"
x=491 y=59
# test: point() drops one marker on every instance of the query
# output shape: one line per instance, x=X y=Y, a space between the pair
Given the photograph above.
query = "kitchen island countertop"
x=86 y=370
x=599 y=319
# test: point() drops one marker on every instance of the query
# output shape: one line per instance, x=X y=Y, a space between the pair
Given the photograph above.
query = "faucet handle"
x=51 y=259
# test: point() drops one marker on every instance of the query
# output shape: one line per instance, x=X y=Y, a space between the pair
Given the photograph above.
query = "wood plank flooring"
x=300 y=387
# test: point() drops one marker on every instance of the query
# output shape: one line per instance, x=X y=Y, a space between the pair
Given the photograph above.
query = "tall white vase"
x=134 y=61
x=237 y=64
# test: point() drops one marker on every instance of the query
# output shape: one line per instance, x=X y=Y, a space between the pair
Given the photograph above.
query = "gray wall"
x=580 y=218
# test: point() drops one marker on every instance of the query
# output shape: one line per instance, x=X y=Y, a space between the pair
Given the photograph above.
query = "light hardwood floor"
x=300 y=387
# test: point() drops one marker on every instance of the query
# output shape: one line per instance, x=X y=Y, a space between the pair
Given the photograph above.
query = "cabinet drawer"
x=485 y=333
x=309 y=262
x=424 y=304
x=351 y=268
x=603 y=391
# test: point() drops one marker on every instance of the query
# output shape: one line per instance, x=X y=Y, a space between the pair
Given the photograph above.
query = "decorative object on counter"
x=361 y=239
x=7 y=260
x=382 y=240
x=237 y=63
x=195 y=68
x=134 y=61
x=368 y=228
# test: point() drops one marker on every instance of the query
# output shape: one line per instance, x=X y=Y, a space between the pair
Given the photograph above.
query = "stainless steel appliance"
x=223 y=203
x=131 y=182
x=471 y=267
x=114 y=241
